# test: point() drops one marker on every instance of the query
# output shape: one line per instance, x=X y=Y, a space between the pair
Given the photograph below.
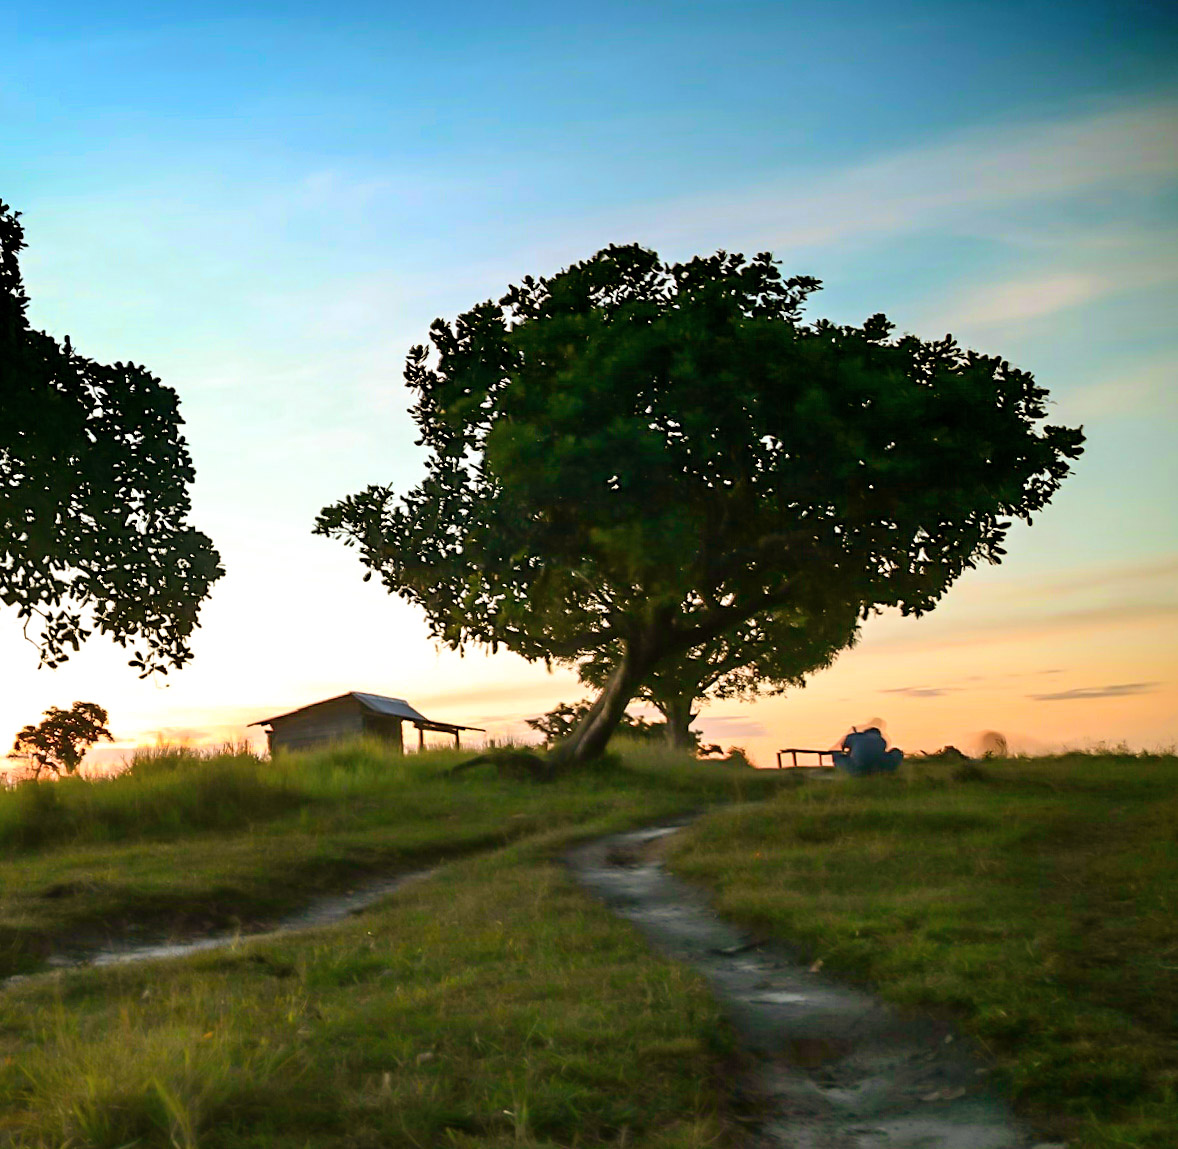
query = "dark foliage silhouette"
x=60 y=741
x=93 y=494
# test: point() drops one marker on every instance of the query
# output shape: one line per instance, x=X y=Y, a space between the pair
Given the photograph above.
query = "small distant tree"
x=60 y=741
x=94 y=477
x=563 y=718
x=762 y=656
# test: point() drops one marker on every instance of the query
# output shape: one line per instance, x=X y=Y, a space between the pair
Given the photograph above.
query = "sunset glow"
x=277 y=213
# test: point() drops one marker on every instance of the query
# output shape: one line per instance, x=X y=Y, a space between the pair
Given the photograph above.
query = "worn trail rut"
x=322 y=911
x=830 y=1067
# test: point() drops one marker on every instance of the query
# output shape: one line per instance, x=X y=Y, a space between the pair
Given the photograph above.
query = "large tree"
x=94 y=477
x=643 y=456
x=764 y=655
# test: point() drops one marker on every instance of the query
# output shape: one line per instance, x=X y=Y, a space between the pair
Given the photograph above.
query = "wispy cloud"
x=1094 y=598
x=1070 y=264
x=1152 y=388
x=1027 y=299
x=1121 y=577
x=967 y=632
x=977 y=170
x=1082 y=693
x=732 y=726
x=561 y=683
x=919 y=691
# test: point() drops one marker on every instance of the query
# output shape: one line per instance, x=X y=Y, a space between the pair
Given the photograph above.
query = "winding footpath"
x=830 y=1067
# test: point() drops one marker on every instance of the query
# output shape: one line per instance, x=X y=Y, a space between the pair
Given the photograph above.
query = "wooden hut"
x=352 y=715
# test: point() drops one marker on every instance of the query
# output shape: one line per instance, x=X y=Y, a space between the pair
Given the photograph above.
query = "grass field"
x=185 y=843
x=496 y=1005
x=1037 y=902
x=492 y=1005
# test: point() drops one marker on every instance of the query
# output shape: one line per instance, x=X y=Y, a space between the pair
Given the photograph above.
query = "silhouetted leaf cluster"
x=93 y=494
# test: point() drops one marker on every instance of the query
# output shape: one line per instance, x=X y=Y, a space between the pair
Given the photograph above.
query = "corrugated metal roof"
x=399 y=708
x=393 y=707
x=378 y=704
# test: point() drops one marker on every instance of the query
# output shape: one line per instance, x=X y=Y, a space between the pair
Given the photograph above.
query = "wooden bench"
x=794 y=751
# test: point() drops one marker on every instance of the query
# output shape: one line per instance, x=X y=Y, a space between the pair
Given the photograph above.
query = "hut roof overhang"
x=377 y=704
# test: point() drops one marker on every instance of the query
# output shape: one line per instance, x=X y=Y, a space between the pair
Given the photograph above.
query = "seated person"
x=866 y=752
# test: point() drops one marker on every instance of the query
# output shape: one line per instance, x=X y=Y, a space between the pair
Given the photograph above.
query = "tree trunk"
x=593 y=733
x=676 y=709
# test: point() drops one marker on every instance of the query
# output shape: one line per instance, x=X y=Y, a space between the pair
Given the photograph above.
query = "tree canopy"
x=60 y=741
x=94 y=478
x=641 y=456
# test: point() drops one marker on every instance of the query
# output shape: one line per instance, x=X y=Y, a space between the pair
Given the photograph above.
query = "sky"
x=267 y=204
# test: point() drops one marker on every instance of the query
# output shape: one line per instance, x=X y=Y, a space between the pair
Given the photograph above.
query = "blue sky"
x=267 y=204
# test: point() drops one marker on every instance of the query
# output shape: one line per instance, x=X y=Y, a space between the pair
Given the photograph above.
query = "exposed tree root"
x=516 y=765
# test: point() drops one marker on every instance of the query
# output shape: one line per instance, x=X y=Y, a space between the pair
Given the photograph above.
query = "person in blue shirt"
x=866 y=752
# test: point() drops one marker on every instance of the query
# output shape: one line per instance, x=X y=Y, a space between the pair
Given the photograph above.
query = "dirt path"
x=830 y=1067
x=322 y=911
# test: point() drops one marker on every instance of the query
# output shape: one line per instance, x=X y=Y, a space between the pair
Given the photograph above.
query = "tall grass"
x=165 y=792
x=169 y=792
x=494 y=1006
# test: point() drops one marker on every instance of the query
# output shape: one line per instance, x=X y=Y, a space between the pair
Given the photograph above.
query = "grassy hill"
x=1036 y=900
x=495 y=1004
